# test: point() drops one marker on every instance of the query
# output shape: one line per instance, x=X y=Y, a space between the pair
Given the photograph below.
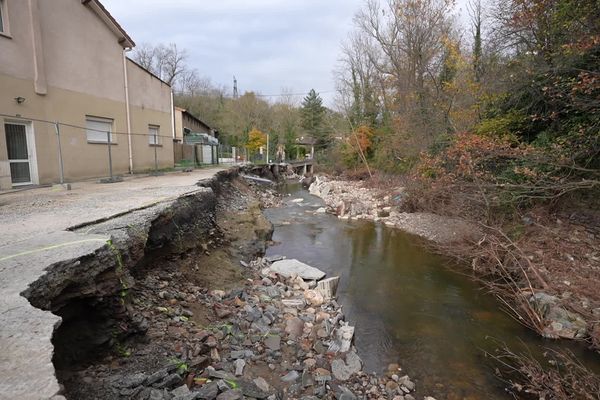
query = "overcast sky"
x=267 y=44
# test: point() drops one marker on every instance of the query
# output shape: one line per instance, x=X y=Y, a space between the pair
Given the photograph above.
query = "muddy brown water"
x=407 y=306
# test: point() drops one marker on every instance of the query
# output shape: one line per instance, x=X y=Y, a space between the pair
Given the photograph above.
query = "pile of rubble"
x=281 y=335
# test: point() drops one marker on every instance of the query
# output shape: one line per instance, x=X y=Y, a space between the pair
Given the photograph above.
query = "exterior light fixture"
x=20 y=99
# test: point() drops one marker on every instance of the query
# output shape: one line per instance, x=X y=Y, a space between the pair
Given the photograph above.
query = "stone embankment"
x=351 y=200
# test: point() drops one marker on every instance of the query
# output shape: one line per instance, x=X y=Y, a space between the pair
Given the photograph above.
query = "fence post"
x=155 y=156
x=110 y=170
x=60 y=159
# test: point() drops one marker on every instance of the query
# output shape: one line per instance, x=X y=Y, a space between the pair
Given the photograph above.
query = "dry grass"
x=563 y=378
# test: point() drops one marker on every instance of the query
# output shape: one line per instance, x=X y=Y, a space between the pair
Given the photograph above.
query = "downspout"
x=127 y=109
x=172 y=115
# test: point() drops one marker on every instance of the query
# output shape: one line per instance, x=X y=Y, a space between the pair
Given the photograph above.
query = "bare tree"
x=165 y=61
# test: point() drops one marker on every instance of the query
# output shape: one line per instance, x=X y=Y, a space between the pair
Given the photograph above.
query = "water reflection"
x=406 y=306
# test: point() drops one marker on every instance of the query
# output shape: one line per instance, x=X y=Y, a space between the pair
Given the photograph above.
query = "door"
x=18 y=153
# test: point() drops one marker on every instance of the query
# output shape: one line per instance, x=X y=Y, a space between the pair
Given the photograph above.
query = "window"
x=154 y=135
x=2 y=16
x=96 y=129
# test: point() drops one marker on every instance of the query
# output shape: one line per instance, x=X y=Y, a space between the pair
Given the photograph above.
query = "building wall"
x=150 y=101
x=83 y=69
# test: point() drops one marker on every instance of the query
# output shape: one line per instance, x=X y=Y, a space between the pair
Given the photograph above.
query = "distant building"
x=65 y=60
x=187 y=124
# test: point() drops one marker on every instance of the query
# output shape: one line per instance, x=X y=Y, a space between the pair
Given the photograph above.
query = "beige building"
x=186 y=122
x=65 y=61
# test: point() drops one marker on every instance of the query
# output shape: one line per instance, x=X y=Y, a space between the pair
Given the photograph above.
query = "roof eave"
x=123 y=38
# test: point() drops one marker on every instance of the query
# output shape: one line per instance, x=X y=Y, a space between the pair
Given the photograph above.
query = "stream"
x=407 y=306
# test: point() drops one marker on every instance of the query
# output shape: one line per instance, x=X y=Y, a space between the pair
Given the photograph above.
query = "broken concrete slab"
x=26 y=360
x=291 y=267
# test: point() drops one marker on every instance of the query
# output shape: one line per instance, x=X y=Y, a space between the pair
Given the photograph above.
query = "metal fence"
x=59 y=152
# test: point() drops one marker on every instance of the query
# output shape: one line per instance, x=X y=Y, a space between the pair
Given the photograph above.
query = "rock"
x=208 y=391
x=262 y=384
x=307 y=379
x=239 y=365
x=133 y=380
x=313 y=297
x=298 y=200
x=429 y=398
x=559 y=322
x=157 y=376
x=321 y=210
x=391 y=388
x=211 y=341
x=156 y=394
x=214 y=355
x=221 y=311
x=181 y=391
x=288 y=268
x=291 y=376
x=250 y=389
x=328 y=287
x=233 y=394
x=274 y=258
x=345 y=394
x=171 y=381
x=342 y=371
x=273 y=342
x=406 y=382
x=294 y=302
x=343 y=340
x=322 y=375
x=294 y=327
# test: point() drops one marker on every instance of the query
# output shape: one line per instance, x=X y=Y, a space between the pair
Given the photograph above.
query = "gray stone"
x=157 y=376
x=130 y=381
x=251 y=389
x=181 y=391
x=233 y=394
x=291 y=376
x=307 y=379
x=262 y=384
x=208 y=391
x=406 y=382
x=288 y=268
x=345 y=394
x=239 y=365
x=344 y=370
x=273 y=342
x=156 y=394
x=170 y=381
x=294 y=327
x=560 y=323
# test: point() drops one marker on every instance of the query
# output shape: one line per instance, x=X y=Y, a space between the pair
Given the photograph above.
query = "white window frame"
x=4 y=26
x=154 y=139
x=97 y=136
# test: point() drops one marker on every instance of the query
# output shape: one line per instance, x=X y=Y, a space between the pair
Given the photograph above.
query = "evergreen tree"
x=312 y=114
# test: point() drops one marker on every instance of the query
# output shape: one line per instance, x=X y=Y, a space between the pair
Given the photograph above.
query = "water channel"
x=407 y=306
